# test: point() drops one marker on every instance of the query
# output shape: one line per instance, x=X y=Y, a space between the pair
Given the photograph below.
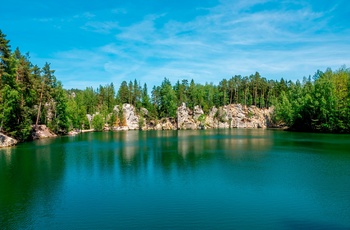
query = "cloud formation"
x=276 y=38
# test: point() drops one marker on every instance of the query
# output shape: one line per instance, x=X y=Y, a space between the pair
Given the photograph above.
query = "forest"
x=31 y=95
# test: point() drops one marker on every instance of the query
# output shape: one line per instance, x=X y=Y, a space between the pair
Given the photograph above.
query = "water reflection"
x=241 y=165
x=30 y=175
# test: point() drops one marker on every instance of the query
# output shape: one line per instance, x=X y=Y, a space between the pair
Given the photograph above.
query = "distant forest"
x=31 y=95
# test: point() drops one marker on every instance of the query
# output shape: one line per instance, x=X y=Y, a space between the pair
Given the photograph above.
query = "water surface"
x=208 y=179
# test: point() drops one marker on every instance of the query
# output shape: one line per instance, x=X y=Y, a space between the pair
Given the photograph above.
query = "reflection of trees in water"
x=30 y=174
x=191 y=148
x=135 y=151
x=188 y=148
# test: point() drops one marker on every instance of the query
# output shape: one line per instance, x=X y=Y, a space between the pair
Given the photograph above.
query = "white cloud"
x=232 y=38
x=100 y=27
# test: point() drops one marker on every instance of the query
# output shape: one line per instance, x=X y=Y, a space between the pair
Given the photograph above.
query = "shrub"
x=97 y=122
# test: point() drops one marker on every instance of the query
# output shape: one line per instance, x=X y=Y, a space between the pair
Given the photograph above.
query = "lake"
x=201 y=179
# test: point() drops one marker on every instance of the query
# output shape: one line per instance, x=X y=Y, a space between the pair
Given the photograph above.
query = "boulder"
x=74 y=132
x=41 y=132
x=6 y=141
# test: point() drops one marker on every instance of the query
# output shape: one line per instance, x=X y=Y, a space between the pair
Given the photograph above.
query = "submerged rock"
x=6 y=141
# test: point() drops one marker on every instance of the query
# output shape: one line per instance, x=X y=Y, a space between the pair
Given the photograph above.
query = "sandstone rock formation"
x=238 y=116
x=6 y=141
x=41 y=132
x=229 y=116
x=132 y=120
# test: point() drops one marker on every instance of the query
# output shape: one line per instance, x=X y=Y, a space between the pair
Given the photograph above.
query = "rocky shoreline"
x=6 y=141
x=229 y=116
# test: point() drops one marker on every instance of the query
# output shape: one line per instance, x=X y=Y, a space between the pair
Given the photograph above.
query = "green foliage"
x=250 y=114
x=166 y=100
x=141 y=122
x=98 y=122
x=112 y=119
x=319 y=105
x=202 y=118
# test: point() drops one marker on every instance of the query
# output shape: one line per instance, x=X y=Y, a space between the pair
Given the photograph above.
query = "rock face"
x=6 y=141
x=41 y=132
x=184 y=118
x=237 y=116
x=132 y=120
x=229 y=116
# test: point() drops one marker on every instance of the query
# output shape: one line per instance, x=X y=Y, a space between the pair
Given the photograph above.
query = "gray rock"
x=6 y=141
x=197 y=112
x=42 y=132
x=132 y=120
x=185 y=118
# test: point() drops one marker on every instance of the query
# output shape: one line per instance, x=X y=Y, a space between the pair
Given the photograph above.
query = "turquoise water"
x=207 y=179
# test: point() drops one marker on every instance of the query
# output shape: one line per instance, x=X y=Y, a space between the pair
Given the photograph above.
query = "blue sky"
x=92 y=43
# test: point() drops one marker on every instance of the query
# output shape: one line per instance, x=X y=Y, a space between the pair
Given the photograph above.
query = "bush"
x=97 y=122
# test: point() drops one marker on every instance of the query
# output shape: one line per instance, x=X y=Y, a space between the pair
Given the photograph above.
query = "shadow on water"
x=30 y=175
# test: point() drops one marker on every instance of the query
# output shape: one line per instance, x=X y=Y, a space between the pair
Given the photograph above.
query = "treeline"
x=30 y=95
x=164 y=100
x=320 y=103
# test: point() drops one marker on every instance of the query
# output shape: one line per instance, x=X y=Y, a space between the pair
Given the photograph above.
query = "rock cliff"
x=6 y=141
x=229 y=116
x=132 y=120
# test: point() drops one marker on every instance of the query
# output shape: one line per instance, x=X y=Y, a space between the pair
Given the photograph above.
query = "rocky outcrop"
x=132 y=120
x=229 y=116
x=186 y=119
x=41 y=132
x=6 y=141
x=238 y=116
x=167 y=124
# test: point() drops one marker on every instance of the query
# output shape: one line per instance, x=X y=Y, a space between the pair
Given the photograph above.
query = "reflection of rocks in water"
x=233 y=143
x=131 y=151
x=245 y=143
x=189 y=143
